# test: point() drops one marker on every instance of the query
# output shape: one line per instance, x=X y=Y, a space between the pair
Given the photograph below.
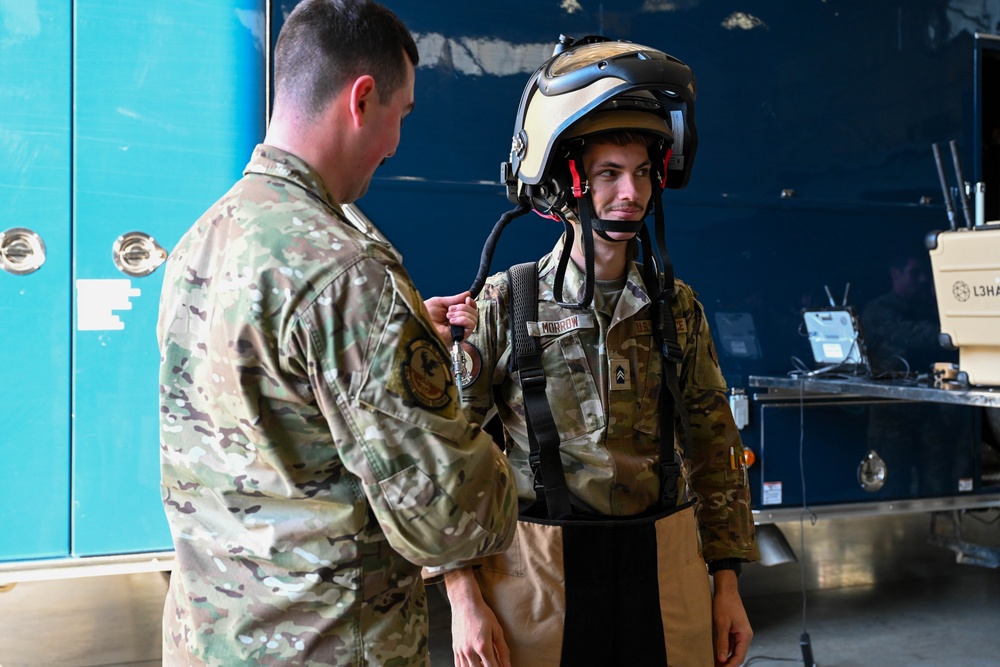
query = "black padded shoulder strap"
x=670 y=398
x=543 y=437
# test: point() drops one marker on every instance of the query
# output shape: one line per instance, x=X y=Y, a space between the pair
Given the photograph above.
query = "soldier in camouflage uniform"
x=313 y=452
x=901 y=330
x=603 y=380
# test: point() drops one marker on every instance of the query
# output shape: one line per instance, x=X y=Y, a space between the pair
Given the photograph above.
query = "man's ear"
x=362 y=95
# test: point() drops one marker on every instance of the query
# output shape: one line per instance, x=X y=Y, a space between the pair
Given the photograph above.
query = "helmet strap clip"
x=666 y=163
x=580 y=186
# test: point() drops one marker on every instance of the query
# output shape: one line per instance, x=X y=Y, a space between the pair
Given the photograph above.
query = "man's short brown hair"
x=325 y=44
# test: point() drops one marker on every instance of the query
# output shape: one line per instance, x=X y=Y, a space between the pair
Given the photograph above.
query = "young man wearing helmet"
x=603 y=128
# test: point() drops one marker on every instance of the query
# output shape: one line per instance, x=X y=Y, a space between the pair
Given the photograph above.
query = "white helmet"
x=588 y=87
x=591 y=86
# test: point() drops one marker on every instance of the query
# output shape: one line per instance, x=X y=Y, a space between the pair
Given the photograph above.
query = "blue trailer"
x=121 y=121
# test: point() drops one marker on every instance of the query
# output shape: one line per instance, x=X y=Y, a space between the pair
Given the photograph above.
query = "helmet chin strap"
x=658 y=270
x=587 y=238
x=589 y=224
x=656 y=262
x=601 y=226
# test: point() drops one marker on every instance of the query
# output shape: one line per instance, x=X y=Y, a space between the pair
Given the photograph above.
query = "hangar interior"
x=845 y=148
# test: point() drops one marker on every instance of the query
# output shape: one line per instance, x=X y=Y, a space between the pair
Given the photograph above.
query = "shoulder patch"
x=472 y=363
x=426 y=374
x=681 y=324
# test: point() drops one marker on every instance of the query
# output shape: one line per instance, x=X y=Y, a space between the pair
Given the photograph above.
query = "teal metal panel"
x=34 y=308
x=169 y=103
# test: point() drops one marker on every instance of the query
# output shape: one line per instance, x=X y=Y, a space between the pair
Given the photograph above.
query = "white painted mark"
x=480 y=56
x=96 y=301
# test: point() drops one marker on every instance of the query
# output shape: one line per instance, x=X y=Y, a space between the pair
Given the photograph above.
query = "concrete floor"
x=876 y=594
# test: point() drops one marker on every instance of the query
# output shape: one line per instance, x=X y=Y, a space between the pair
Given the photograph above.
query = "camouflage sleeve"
x=437 y=485
x=486 y=357
x=715 y=470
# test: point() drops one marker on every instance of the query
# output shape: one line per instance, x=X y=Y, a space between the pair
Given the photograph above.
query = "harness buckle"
x=672 y=351
x=532 y=378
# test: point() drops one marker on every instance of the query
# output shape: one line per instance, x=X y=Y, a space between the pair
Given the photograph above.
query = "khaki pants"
x=604 y=592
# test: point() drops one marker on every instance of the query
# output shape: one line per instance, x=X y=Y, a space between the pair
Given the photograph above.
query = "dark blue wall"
x=838 y=101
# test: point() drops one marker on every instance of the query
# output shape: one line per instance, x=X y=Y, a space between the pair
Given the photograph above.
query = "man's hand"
x=445 y=311
x=476 y=636
x=731 y=625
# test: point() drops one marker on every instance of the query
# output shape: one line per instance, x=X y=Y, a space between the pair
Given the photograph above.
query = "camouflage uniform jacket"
x=313 y=453
x=608 y=422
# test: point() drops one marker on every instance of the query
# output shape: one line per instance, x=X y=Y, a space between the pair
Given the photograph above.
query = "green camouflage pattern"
x=313 y=452
x=609 y=424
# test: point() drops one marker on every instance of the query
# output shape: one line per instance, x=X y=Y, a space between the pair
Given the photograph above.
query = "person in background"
x=313 y=452
x=901 y=327
x=915 y=440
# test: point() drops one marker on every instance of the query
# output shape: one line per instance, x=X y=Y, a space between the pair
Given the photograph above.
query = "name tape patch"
x=572 y=323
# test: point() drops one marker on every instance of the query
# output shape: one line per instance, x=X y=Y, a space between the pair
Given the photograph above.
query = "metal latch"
x=137 y=254
x=21 y=251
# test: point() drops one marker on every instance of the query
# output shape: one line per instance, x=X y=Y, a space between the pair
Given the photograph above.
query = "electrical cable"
x=802 y=372
x=805 y=643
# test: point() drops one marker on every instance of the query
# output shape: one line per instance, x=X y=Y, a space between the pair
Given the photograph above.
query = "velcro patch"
x=426 y=374
x=621 y=377
x=472 y=363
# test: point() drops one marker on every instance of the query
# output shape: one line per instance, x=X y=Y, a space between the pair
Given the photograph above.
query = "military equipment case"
x=966 y=269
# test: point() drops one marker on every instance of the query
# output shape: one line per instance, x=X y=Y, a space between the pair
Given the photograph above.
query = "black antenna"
x=945 y=191
x=963 y=196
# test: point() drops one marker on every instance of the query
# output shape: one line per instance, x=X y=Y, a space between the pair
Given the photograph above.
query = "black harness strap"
x=543 y=437
x=661 y=289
